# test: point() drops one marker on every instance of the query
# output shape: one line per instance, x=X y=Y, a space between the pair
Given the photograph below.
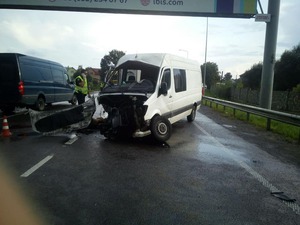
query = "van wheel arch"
x=40 y=103
x=161 y=128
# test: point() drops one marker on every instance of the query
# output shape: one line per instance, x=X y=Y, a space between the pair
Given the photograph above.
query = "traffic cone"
x=5 y=128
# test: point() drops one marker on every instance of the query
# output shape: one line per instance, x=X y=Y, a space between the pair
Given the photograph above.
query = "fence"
x=287 y=101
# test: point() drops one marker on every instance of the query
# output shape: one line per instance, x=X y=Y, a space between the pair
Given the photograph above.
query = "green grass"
x=290 y=132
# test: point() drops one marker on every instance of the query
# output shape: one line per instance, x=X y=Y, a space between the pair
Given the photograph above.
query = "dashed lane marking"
x=295 y=207
x=37 y=166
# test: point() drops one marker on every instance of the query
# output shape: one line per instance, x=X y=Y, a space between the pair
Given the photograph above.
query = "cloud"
x=78 y=38
x=288 y=32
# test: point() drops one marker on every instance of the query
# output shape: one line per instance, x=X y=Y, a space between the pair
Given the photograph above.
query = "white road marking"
x=71 y=141
x=295 y=207
x=37 y=166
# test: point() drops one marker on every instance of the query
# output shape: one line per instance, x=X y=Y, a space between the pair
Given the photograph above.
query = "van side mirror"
x=163 y=88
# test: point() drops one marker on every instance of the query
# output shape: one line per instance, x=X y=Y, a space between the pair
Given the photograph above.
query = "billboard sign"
x=210 y=8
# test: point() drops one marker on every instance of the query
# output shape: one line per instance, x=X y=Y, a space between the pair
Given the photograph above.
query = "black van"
x=27 y=81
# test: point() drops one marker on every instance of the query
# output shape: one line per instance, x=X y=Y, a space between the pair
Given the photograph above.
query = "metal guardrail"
x=267 y=113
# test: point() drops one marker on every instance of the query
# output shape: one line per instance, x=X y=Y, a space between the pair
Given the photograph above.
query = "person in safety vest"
x=81 y=87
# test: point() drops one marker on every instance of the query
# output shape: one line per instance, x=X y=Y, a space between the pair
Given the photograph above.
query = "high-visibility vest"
x=84 y=89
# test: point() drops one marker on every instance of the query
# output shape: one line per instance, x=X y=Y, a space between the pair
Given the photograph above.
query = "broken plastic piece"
x=66 y=120
x=282 y=196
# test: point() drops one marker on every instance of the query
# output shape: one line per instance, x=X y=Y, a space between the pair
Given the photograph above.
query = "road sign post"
x=267 y=79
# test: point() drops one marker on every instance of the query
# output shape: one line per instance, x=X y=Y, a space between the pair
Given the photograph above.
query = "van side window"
x=58 y=76
x=167 y=77
x=36 y=73
x=67 y=78
x=180 y=80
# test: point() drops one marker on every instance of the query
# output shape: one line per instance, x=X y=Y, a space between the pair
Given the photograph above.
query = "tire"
x=192 y=116
x=40 y=104
x=161 y=128
x=74 y=100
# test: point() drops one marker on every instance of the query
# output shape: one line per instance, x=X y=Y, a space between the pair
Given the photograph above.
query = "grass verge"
x=290 y=132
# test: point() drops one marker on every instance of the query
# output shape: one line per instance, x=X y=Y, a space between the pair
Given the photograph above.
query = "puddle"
x=216 y=155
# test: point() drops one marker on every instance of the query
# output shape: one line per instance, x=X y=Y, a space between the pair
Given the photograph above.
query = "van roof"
x=156 y=59
x=19 y=55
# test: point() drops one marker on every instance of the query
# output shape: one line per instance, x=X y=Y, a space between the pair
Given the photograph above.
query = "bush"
x=297 y=89
x=222 y=90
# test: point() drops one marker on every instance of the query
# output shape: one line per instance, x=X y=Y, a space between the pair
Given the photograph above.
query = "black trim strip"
x=180 y=110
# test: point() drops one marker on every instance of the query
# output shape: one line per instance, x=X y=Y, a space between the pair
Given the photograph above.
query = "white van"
x=146 y=93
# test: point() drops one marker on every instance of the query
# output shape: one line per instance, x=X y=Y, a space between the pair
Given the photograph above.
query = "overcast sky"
x=77 y=38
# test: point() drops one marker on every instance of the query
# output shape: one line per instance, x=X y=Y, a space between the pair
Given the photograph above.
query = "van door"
x=180 y=100
x=9 y=80
x=63 y=89
x=167 y=99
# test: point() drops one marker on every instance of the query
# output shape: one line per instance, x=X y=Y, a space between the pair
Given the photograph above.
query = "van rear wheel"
x=40 y=104
x=161 y=128
x=192 y=116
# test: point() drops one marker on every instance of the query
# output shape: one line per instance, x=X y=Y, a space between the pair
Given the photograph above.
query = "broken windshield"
x=132 y=76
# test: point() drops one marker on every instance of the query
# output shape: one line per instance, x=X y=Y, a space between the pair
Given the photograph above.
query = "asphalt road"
x=212 y=171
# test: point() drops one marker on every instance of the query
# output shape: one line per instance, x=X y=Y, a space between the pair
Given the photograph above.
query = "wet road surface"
x=212 y=171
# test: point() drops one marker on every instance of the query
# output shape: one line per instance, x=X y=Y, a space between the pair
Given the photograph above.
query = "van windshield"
x=132 y=76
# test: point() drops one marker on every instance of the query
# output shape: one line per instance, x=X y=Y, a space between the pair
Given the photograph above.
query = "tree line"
x=286 y=72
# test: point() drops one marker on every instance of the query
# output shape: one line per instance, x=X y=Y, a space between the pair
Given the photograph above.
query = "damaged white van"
x=146 y=93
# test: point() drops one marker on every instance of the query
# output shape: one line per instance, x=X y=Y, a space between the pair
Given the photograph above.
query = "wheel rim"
x=162 y=128
x=41 y=104
x=74 y=100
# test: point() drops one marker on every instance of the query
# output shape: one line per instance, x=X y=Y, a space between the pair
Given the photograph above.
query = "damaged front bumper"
x=67 y=120
x=139 y=134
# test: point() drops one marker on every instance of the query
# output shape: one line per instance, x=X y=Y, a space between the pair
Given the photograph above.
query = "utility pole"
x=205 y=57
x=267 y=79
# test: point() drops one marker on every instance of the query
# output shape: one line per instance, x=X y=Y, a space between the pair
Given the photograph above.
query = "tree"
x=107 y=60
x=287 y=70
x=212 y=75
x=251 y=78
x=227 y=77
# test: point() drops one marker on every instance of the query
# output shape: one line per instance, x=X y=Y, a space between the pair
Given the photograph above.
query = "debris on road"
x=282 y=196
x=66 y=120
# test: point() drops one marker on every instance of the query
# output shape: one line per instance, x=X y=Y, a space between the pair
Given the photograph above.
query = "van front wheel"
x=40 y=104
x=73 y=101
x=161 y=128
